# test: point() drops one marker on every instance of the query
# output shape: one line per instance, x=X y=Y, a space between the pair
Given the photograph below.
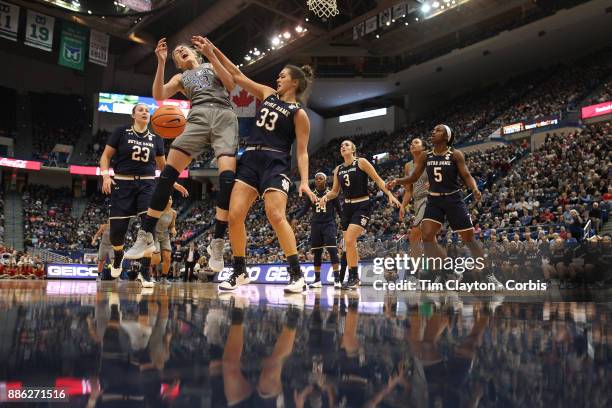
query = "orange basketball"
x=168 y=122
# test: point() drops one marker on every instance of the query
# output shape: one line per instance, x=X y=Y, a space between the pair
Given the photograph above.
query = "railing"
x=586 y=232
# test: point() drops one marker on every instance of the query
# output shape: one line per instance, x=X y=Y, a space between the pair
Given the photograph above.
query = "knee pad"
x=166 y=181
x=318 y=255
x=333 y=255
x=118 y=229
x=226 y=183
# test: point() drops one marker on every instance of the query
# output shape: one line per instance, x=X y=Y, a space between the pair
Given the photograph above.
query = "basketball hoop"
x=323 y=8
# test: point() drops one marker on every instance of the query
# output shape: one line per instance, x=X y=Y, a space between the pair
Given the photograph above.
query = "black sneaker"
x=352 y=283
x=235 y=280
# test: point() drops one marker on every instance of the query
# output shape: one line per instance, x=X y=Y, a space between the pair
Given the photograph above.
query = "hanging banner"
x=98 y=48
x=371 y=24
x=72 y=46
x=399 y=11
x=359 y=30
x=9 y=21
x=243 y=102
x=384 y=17
x=39 y=31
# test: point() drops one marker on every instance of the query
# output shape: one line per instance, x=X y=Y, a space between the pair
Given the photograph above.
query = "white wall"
x=334 y=129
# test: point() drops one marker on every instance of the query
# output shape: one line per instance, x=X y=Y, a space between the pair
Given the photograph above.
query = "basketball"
x=168 y=122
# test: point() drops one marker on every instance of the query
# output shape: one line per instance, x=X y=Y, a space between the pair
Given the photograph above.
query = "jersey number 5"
x=140 y=153
x=438 y=174
x=263 y=120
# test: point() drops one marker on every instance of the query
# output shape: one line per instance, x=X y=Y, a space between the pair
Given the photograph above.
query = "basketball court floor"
x=116 y=344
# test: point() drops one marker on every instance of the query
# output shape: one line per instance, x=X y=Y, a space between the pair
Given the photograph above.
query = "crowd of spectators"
x=604 y=94
x=19 y=264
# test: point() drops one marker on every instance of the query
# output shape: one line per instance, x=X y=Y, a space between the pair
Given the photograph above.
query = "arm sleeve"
x=115 y=137
x=159 y=149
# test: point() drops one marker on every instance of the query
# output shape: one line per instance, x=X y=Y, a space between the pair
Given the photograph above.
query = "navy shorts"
x=356 y=213
x=451 y=207
x=264 y=171
x=323 y=235
x=130 y=197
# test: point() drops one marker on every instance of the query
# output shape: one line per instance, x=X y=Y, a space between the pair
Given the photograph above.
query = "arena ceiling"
x=238 y=26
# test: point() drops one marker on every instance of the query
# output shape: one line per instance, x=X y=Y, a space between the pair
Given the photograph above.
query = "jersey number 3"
x=140 y=153
x=263 y=120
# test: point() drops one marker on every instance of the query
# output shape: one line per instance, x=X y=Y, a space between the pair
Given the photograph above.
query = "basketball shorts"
x=356 y=213
x=265 y=171
x=323 y=235
x=105 y=249
x=130 y=198
x=451 y=207
x=162 y=243
x=419 y=210
x=209 y=125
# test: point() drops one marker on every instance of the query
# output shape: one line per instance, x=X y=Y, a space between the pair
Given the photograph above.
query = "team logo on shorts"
x=285 y=184
x=364 y=221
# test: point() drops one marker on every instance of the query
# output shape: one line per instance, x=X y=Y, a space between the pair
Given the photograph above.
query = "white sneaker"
x=315 y=285
x=337 y=285
x=144 y=245
x=116 y=272
x=235 y=280
x=146 y=283
x=492 y=279
x=215 y=251
x=296 y=285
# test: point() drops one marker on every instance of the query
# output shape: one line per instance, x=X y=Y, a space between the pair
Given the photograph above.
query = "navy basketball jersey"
x=353 y=180
x=274 y=125
x=442 y=172
x=136 y=152
x=322 y=215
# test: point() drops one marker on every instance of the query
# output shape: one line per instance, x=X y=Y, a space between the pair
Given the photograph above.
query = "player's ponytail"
x=304 y=76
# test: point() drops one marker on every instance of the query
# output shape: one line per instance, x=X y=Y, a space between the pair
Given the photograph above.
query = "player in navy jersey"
x=352 y=177
x=323 y=229
x=211 y=122
x=444 y=166
x=137 y=154
x=263 y=169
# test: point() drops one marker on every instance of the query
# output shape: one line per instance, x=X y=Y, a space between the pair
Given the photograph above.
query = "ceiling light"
x=287 y=35
x=247 y=57
x=257 y=53
x=388 y=23
x=275 y=41
x=377 y=36
x=436 y=4
x=299 y=29
x=426 y=7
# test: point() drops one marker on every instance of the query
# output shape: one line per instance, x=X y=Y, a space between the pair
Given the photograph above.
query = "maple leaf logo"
x=242 y=99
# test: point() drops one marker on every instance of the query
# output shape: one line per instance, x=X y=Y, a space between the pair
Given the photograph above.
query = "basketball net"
x=323 y=8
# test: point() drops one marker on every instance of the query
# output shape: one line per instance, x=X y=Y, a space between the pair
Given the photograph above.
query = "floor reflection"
x=184 y=346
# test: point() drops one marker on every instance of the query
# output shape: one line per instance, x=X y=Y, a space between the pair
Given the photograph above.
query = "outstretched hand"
x=203 y=45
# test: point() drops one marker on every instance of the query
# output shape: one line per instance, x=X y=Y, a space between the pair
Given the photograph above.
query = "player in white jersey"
x=164 y=230
x=105 y=249
x=417 y=192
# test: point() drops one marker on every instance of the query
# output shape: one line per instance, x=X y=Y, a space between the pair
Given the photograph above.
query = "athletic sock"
x=343 y=265
x=118 y=258
x=294 y=266
x=148 y=223
x=317 y=276
x=220 y=229
x=144 y=267
x=353 y=272
x=239 y=264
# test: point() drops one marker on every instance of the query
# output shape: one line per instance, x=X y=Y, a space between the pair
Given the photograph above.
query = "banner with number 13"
x=39 y=31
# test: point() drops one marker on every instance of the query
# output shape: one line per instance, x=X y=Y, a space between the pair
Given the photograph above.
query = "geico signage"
x=72 y=271
x=278 y=273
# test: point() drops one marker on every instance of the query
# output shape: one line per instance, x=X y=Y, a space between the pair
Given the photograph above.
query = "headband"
x=449 y=132
x=322 y=174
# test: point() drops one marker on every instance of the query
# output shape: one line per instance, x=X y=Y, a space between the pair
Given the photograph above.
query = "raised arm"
x=465 y=173
x=366 y=166
x=206 y=48
x=419 y=168
x=160 y=90
x=258 y=90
